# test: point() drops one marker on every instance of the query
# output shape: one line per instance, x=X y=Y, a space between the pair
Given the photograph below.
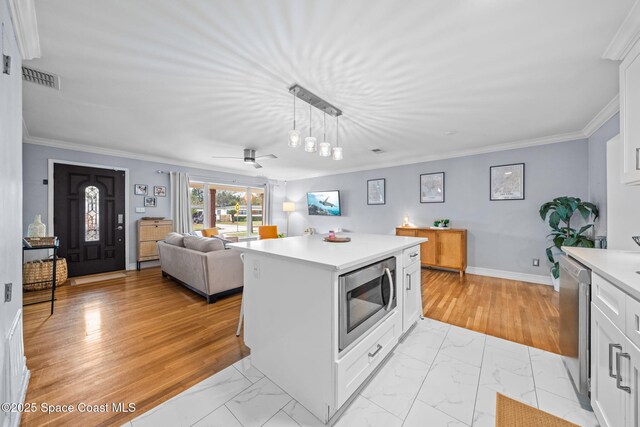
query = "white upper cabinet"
x=630 y=115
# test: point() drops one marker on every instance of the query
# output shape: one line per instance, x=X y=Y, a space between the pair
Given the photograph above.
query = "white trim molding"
x=23 y=16
x=609 y=110
x=511 y=275
x=627 y=36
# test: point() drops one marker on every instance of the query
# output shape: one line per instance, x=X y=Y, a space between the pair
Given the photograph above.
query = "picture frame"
x=140 y=189
x=432 y=187
x=160 y=191
x=506 y=182
x=376 y=191
x=150 y=202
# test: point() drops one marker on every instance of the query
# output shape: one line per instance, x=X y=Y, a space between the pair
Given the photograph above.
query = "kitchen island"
x=320 y=317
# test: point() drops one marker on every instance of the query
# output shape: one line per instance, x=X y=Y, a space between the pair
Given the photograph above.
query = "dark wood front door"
x=88 y=218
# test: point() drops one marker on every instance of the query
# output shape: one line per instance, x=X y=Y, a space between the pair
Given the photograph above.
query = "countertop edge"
x=339 y=267
x=619 y=283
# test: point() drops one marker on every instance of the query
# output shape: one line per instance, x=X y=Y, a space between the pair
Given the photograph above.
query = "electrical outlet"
x=536 y=262
x=7 y=291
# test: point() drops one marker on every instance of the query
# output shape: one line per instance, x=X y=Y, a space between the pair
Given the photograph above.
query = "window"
x=91 y=214
x=227 y=208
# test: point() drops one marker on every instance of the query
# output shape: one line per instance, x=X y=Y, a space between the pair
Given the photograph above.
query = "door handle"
x=409 y=282
x=612 y=346
x=390 y=287
x=618 y=374
x=119 y=227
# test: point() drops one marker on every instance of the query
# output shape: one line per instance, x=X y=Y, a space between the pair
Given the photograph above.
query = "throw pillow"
x=203 y=244
x=175 y=239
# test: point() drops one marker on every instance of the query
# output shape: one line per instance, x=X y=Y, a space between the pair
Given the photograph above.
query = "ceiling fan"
x=250 y=157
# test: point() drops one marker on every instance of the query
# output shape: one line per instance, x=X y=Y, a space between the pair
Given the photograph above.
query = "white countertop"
x=618 y=267
x=335 y=256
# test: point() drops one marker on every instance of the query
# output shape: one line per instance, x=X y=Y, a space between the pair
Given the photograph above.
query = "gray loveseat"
x=202 y=265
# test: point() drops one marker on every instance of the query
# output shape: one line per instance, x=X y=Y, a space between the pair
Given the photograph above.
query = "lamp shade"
x=288 y=206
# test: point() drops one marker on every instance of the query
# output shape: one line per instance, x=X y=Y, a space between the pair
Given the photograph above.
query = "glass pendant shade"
x=294 y=138
x=310 y=144
x=324 y=149
x=337 y=153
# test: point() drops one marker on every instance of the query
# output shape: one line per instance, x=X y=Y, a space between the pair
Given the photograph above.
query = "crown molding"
x=554 y=139
x=65 y=145
x=628 y=34
x=25 y=24
x=602 y=117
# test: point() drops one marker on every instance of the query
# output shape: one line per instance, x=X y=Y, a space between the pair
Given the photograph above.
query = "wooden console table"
x=446 y=248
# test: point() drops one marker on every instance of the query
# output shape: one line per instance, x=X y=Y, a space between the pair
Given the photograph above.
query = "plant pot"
x=556 y=283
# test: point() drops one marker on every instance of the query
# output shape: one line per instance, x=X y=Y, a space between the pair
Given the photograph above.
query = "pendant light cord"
x=309 y=119
x=324 y=124
x=294 y=109
x=337 y=127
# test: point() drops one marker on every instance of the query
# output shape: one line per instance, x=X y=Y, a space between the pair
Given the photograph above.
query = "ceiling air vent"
x=40 y=78
x=377 y=151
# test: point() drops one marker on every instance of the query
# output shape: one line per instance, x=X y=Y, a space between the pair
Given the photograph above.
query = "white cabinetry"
x=615 y=358
x=630 y=115
x=412 y=297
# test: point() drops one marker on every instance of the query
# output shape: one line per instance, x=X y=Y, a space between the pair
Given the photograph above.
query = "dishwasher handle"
x=576 y=270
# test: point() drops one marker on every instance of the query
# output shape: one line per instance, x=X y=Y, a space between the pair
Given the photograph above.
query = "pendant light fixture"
x=310 y=145
x=337 y=150
x=324 y=148
x=294 y=135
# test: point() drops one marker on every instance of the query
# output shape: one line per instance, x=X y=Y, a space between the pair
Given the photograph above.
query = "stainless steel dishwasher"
x=575 y=321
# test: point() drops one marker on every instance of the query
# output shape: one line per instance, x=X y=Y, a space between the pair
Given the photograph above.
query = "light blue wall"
x=35 y=167
x=502 y=235
x=598 y=169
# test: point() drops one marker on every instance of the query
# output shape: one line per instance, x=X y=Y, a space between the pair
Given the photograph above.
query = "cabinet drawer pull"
x=618 y=374
x=408 y=282
x=611 y=347
x=413 y=255
x=374 y=354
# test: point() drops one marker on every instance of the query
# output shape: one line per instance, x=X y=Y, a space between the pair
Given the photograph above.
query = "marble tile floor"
x=440 y=375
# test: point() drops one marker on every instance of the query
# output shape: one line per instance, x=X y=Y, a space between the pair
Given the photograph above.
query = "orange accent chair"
x=268 y=232
x=209 y=232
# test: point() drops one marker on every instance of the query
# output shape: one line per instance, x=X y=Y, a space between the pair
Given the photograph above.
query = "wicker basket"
x=41 y=241
x=36 y=275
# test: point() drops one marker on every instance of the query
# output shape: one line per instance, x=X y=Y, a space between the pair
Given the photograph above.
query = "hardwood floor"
x=143 y=339
x=517 y=311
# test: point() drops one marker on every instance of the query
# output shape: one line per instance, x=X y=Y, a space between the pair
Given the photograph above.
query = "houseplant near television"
x=560 y=212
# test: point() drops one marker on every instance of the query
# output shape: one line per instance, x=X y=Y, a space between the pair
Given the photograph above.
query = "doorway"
x=89 y=215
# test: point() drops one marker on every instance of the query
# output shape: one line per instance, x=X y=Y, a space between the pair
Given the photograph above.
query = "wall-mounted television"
x=325 y=203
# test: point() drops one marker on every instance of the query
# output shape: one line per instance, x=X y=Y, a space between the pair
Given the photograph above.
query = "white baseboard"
x=512 y=275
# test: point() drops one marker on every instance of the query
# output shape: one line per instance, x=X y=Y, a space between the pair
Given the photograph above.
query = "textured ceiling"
x=191 y=79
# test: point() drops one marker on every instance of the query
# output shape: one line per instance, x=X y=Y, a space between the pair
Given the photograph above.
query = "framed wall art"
x=506 y=182
x=150 y=202
x=160 y=191
x=140 y=189
x=432 y=187
x=376 y=191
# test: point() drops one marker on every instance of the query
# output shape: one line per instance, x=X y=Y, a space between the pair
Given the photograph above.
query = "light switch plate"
x=140 y=210
x=7 y=291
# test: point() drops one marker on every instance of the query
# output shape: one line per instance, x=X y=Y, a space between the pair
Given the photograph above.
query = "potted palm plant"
x=560 y=212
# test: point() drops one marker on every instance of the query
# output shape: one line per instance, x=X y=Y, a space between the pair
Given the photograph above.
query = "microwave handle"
x=391 y=287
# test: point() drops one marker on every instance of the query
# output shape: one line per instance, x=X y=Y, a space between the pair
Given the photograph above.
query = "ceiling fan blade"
x=224 y=157
x=257 y=165
x=267 y=156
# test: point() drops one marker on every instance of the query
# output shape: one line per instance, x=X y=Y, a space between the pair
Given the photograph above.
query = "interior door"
x=88 y=218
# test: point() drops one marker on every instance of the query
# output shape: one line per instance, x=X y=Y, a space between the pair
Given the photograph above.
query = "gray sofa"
x=202 y=265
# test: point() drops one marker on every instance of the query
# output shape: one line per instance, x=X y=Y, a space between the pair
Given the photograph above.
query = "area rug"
x=511 y=413
x=96 y=278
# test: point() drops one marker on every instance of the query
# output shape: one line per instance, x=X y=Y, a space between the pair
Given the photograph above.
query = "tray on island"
x=337 y=239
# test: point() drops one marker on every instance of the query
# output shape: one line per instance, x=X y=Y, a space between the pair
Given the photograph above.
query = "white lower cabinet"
x=615 y=373
x=411 y=285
